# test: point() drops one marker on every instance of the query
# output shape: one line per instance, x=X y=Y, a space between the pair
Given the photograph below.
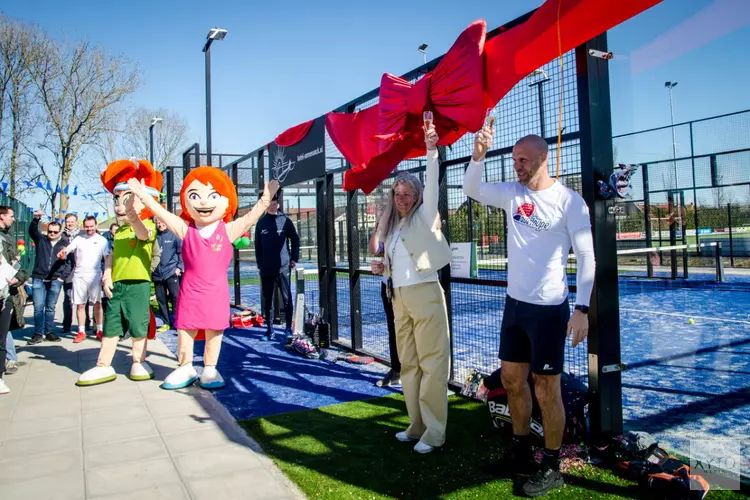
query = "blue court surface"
x=685 y=379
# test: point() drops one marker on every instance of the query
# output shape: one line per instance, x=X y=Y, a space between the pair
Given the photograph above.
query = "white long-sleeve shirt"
x=542 y=227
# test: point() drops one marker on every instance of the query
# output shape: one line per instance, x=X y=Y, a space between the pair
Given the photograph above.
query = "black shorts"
x=534 y=334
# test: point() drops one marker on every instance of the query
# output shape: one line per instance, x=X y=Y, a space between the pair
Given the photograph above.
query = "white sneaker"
x=97 y=375
x=401 y=436
x=423 y=448
x=4 y=389
x=211 y=378
x=141 y=371
x=181 y=377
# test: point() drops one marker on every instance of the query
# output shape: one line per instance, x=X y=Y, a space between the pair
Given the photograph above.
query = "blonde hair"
x=389 y=219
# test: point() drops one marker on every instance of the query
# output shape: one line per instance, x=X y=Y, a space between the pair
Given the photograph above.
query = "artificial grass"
x=349 y=451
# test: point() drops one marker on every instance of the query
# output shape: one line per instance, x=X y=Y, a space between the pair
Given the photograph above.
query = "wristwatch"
x=583 y=309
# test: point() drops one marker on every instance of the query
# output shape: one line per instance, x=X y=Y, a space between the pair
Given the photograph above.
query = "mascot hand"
x=270 y=190
x=138 y=189
x=107 y=282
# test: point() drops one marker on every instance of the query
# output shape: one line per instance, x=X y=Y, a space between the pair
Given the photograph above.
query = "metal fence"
x=693 y=187
x=334 y=227
x=20 y=228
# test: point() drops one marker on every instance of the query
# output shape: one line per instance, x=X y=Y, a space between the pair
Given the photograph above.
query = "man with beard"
x=545 y=219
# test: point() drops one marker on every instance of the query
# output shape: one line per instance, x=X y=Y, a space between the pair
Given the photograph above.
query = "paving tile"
x=172 y=491
x=49 y=409
x=177 y=405
x=43 y=425
x=122 y=452
x=26 y=469
x=67 y=486
x=117 y=397
x=115 y=480
x=115 y=415
x=182 y=423
x=240 y=485
x=124 y=431
x=204 y=439
x=216 y=461
x=13 y=449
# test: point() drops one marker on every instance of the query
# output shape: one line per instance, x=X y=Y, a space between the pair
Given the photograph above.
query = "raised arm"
x=172 y=221
x=237 y=228
x=488 y=194
x=34 y=227
x=431 y=182
x=139 y=228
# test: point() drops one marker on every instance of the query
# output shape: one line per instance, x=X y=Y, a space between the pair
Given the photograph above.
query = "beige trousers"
x=422 y=337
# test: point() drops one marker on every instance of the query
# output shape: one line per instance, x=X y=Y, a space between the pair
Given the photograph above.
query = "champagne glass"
x=427 y=119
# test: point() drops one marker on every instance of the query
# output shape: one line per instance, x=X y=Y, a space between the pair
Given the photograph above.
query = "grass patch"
x=349 y=451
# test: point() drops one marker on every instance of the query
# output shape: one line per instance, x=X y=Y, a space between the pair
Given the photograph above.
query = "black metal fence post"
x=444 y=275
x=605 y=383
x=355 y=293
x=234 y=173
x=731 y=243
x=719 y=263
x=170 y=187
x=647 y=219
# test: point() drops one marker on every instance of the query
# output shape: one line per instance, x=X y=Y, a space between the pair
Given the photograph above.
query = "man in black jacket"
x=277 y=252
x=166 y=274
x=10 y=252
x=48 y=276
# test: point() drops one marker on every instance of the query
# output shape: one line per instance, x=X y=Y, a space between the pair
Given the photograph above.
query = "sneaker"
x=36 y=339
x=401 y=436
x=126 y=336
x=423 y=448
x=11 y=367
x=390 y=378
x=163 y=328
x=543 y=481
x=51 y=337
x=80 y=337
x=4 y=389
x=99 y=335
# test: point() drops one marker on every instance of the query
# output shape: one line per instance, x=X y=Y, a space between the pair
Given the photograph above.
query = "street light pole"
x=423 y=49
x=213 y=34
x=540 y=91
x=154 y=121
x=670 y=86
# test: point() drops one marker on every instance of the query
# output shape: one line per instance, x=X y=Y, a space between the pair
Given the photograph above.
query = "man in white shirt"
x=545 y=219
x=90 y=248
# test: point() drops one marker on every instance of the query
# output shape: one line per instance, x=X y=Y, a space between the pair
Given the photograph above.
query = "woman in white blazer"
x=415 y=250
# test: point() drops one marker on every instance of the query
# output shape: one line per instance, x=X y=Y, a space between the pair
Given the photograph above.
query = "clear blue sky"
x=286 y=62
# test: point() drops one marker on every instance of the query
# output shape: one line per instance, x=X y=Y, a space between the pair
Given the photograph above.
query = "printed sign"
x=302 y=161
x=464 y=261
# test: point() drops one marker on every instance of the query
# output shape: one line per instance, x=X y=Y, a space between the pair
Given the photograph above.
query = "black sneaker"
x=390 y=378
x=542 y=482
x=36 y=339
x=51 y=337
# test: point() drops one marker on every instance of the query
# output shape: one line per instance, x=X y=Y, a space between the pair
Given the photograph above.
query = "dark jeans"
x=170 y=286
x=5 y=316
x=45 y=295
x=68 y=308
x=268 y=285
x=388 y=306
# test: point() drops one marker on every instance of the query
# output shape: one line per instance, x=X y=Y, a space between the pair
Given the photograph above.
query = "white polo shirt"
x=89 y=252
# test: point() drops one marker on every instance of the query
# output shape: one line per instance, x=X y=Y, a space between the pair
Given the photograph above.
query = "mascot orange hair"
x=209 y=202
x=127 y=272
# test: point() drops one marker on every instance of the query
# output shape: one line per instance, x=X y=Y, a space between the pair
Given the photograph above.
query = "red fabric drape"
x=471 y=77
x=293 y=135
x=377 y=139
x=513 y=55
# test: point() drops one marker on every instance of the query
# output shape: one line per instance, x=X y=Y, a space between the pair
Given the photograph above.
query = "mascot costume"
x=209 y=202
x=127 y=276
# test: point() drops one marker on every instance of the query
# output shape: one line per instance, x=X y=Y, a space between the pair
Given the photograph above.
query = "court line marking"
x=686 y=316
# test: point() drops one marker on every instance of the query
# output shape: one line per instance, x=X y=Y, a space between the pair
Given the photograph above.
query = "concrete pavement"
x=123 y=439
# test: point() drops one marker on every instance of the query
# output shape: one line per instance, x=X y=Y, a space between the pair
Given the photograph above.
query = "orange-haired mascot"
x=127 y=276
x=209 y=201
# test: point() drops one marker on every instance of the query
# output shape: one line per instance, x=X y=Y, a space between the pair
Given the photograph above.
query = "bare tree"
x=16 y=43
x=79 y=89
x=169 y=136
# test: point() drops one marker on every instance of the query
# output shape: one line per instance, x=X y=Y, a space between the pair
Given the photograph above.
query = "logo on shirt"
x=525 y=215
